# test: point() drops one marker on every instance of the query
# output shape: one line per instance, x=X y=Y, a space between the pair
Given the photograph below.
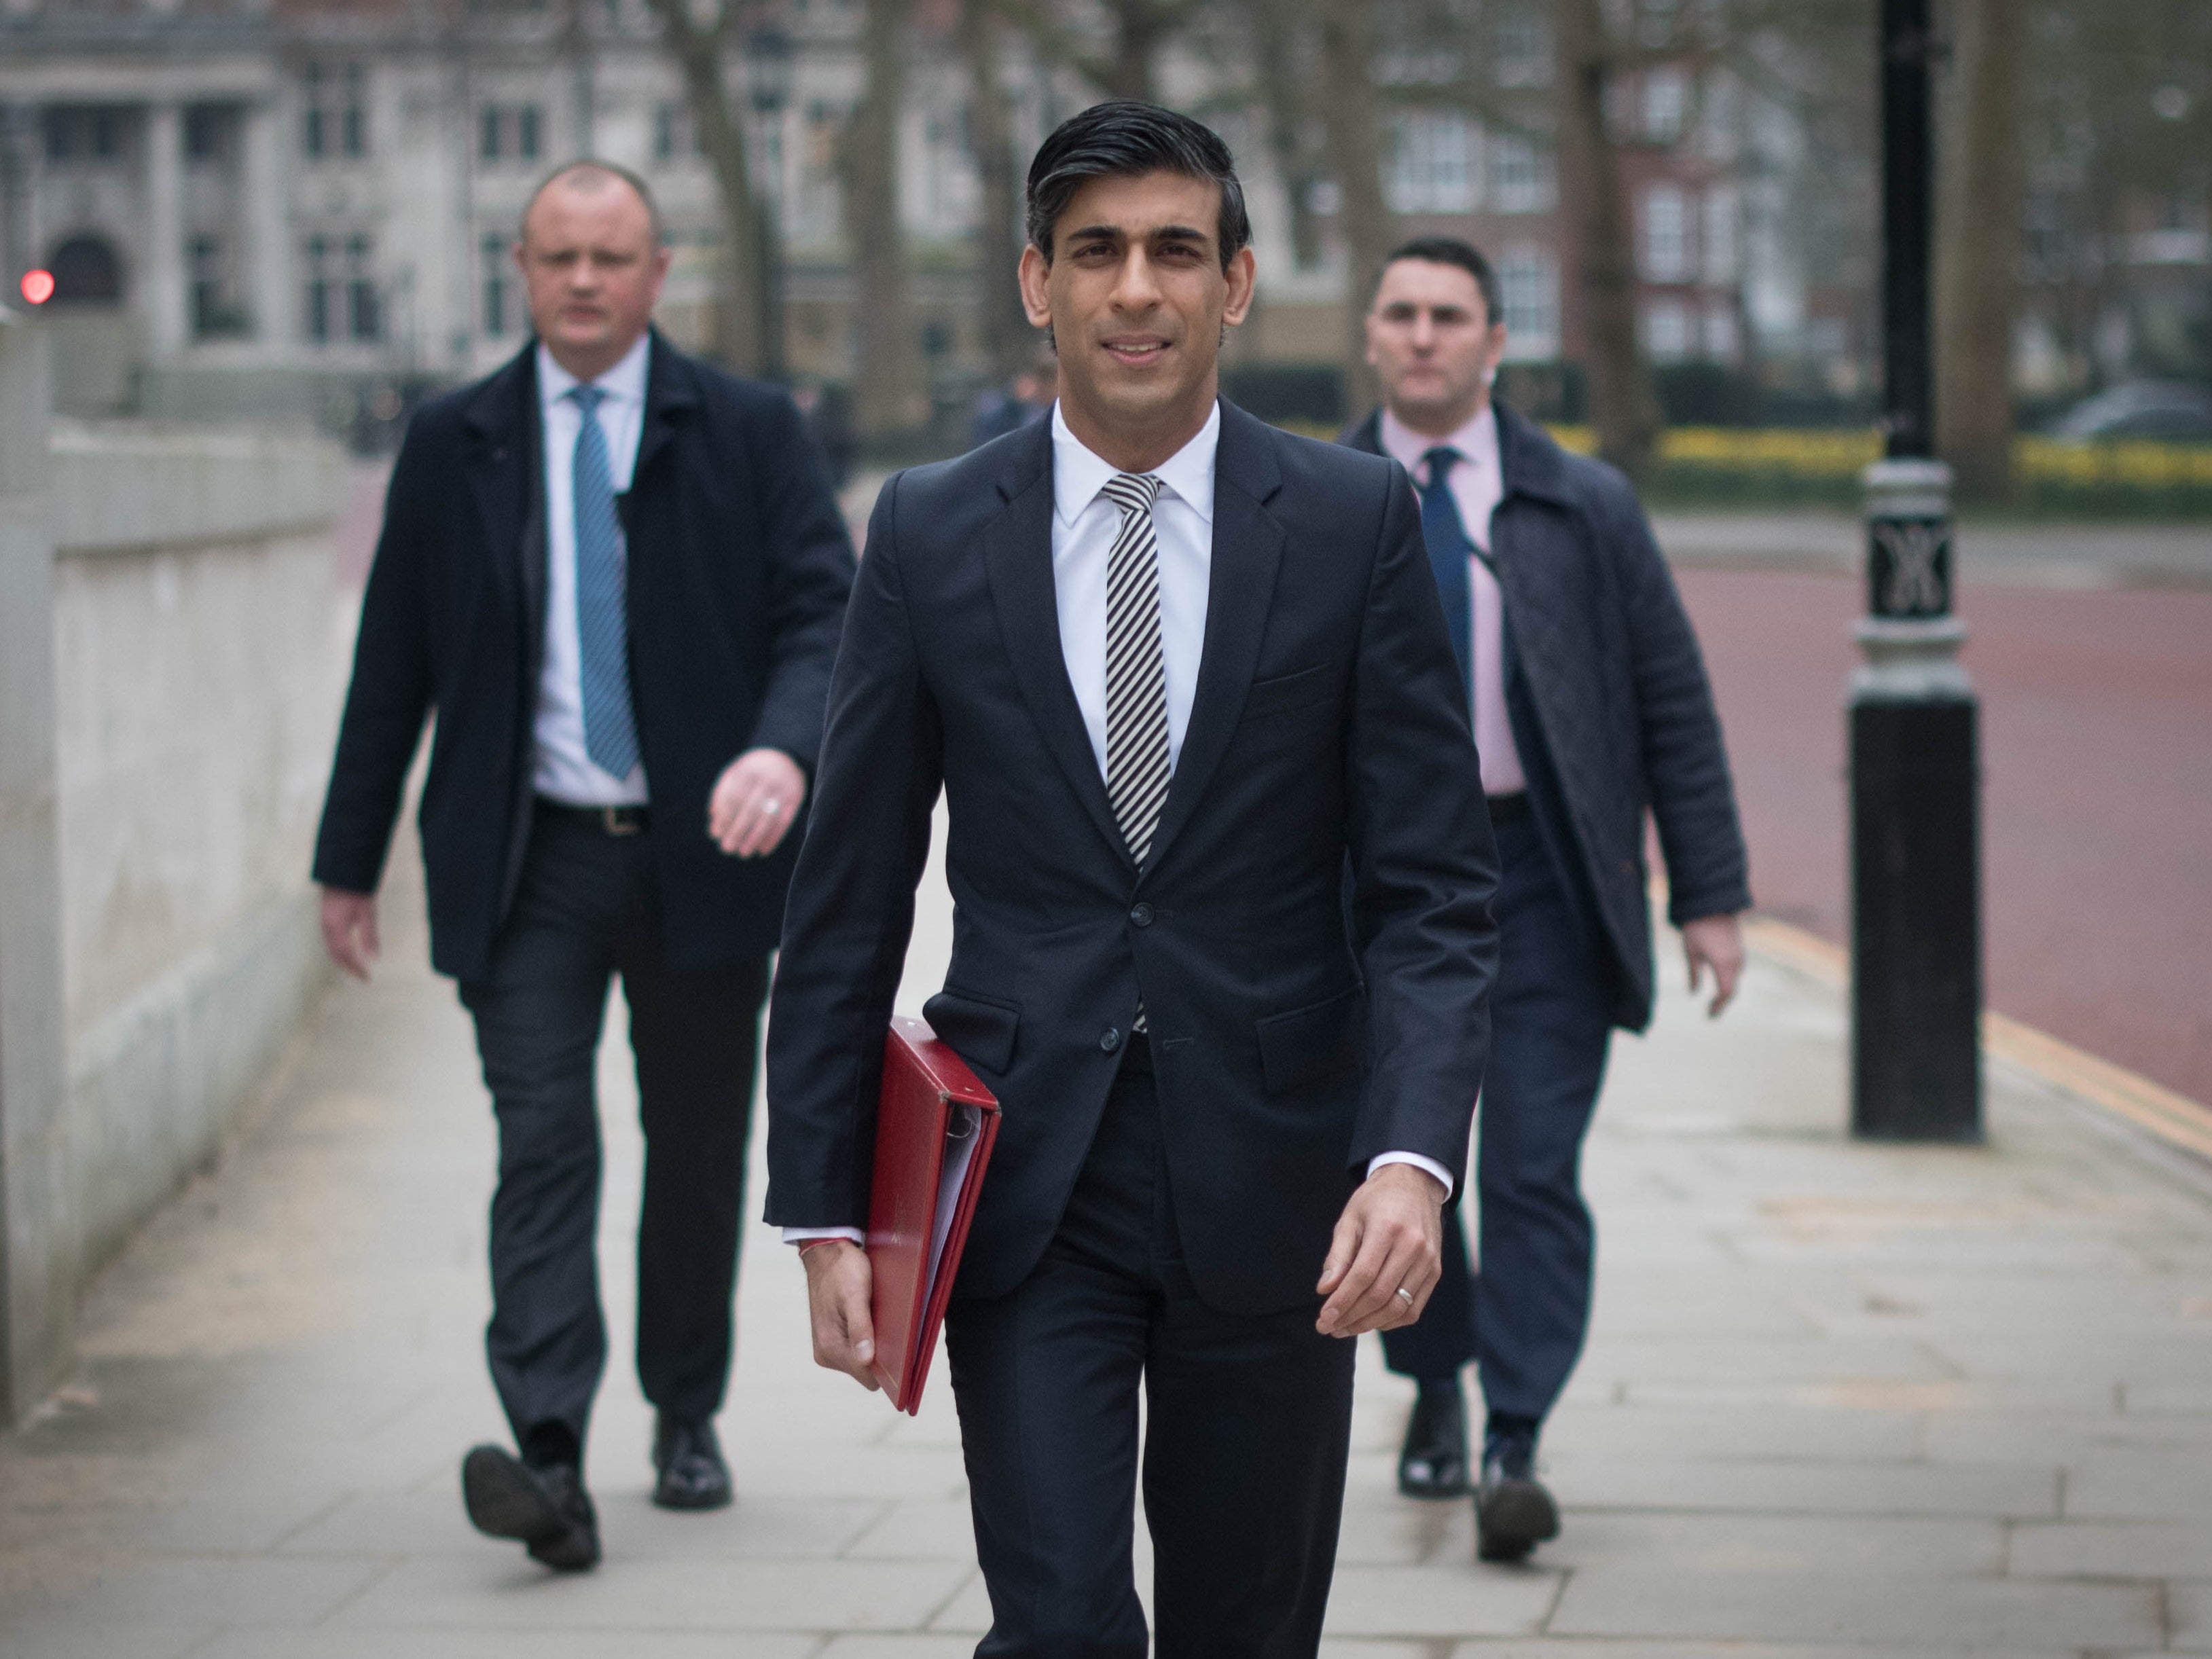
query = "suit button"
x=1141 y=913
x=1110 y=1038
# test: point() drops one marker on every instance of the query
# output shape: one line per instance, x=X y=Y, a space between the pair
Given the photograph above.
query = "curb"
x=2173 y=1117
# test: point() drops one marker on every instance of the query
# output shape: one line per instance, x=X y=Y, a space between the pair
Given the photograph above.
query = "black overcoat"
x=1608 y=696
x=1294 y=1036
x=739 y=570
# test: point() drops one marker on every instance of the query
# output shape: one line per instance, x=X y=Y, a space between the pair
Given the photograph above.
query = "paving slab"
x=1839 y=1401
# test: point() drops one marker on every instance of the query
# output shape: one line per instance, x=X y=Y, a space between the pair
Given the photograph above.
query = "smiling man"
x=1174 y=672
x=615 y=576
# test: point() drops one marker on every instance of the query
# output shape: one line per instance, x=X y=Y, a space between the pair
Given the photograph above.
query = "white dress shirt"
x=563 y=771
x=1085 y=524
x=1477 y=485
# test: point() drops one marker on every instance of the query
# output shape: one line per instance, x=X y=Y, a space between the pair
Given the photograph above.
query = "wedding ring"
x=771 y=807
x=1408 y=1294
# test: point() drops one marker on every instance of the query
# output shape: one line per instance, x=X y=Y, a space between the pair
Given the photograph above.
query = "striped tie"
x=1136 y=673
x=602 y=606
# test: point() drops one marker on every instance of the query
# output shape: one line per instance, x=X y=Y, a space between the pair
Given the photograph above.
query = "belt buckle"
x=613 y=820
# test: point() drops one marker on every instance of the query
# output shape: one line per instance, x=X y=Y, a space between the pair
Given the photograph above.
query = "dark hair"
x=606 y=170
x=1449 y=251
x=1121 y=139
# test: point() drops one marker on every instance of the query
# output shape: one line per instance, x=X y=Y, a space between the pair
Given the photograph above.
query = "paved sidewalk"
x=2073 y=554
x=1841 y=1400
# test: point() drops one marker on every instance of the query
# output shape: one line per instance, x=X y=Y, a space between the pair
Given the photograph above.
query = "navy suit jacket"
x=739 y=570
x=1611 y=709
x=1293 y=1037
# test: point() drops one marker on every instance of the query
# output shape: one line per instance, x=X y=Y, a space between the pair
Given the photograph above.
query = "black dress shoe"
x=1513 y=1513
x=545 y=1506
x=693 y=1475
x=1433 y=1463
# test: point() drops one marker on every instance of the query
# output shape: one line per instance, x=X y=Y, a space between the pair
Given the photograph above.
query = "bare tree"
x=1351 y=113
x=1977 y=246
x=1008 y=339
x=742 y=332
x=890 y=390
x=1127 y=65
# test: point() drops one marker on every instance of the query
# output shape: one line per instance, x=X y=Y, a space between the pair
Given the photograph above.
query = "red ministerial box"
x=935 y=1125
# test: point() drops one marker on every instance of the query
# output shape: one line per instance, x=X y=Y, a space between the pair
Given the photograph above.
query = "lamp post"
x=767 y=81
x=1915 y=866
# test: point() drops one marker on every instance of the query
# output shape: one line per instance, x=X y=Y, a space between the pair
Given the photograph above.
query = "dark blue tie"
x=602 y=605
x=1448 y=552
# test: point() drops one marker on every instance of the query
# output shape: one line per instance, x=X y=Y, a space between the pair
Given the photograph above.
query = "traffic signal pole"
x=1915 y=832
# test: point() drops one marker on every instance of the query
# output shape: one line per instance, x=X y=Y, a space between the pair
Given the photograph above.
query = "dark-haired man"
x=617 y=576
x=1174 y=671
x=1589 y=705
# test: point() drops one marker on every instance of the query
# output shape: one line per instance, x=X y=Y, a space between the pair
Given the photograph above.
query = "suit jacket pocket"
x=980 y=1030
x=1284 y=692
x=1312 y=1042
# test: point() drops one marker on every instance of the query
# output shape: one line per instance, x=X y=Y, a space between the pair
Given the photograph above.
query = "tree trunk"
x=738 y=334
x=1277 y=33
x=1976 y=247
x=889 y=392
x=1008 y=339
x=1353 y=118
x=1128 y=73
x=1624 y=408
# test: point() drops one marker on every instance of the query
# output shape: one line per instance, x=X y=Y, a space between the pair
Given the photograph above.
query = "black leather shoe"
x=1513 y=1512
x=1433 y=1463
x=545 y=1506
x=693 y=1475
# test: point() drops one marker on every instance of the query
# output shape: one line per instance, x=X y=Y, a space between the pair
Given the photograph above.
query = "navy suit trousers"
x=1524 y=1318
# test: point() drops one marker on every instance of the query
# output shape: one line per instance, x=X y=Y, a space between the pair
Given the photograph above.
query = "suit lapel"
x=1018 y=558
x=1248 y=550
x=504 y=473
x=670 y=395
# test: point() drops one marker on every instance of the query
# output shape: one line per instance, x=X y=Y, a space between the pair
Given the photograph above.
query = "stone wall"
x=199 y=647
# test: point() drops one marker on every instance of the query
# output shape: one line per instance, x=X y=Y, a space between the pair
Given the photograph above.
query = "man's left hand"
x=754 y=803
x=1715 y=942
x=1391 y=1234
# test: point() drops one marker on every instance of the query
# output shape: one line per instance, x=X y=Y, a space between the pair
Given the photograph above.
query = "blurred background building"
x=302 y=208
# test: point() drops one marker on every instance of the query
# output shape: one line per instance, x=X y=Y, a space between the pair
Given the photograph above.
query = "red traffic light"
x=38 y=286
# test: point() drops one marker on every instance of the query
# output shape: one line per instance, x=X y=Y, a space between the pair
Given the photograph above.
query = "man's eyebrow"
x=1094 y=230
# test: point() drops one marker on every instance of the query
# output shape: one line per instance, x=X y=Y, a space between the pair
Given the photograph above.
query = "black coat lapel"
x=670 y=395
x=1018 y=558
x=1247 y=549
x=503 y=472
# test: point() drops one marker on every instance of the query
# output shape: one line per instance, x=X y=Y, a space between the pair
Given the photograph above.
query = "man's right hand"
x=349 y=930
x=838 y=1284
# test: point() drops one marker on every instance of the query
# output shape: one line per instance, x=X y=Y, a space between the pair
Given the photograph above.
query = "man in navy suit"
x=616 y=576
x=1590 y=706
x=1176 y=673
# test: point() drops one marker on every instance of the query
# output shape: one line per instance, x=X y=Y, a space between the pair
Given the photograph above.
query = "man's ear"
x=1036 y=299
x=1243 y=278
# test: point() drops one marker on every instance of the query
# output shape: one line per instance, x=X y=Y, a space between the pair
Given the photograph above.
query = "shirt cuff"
x=1426 y=1165
x=808 y=1234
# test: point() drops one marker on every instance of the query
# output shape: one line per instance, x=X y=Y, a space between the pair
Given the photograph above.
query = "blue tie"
x=1448 y=552
x=602 y=608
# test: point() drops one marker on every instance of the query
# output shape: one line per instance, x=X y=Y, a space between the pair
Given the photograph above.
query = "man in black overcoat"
x=616 y=577
x=1174 y=672
x=1590 y=708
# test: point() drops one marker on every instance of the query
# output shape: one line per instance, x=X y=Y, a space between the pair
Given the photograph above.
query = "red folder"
x=935 y=1125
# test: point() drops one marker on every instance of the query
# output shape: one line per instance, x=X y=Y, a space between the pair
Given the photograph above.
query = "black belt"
x=1509 y=809
x=609 y=820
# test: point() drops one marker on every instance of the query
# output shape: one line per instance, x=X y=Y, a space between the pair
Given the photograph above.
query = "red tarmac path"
x=2097 y=802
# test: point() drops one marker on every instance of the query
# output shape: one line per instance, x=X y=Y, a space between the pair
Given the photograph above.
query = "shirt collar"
x=624 y=383
x=1078 y=474
x=1476 y=441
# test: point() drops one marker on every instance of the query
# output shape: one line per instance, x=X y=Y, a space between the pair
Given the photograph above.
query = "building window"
x=84 y=132
x=334 y=112
x=1723 y=341
x=1666 y=330
x=498 y=284
x=1664 y=105
x=364 y=318
x=1718 y=235
x=1666 y=239
x=1528 y=285
x=508 y=132
x=1521 y=52
x=1431 y=167
x=1520 y=175
x=215 y=315
x=208 y=128
x=319 y=284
